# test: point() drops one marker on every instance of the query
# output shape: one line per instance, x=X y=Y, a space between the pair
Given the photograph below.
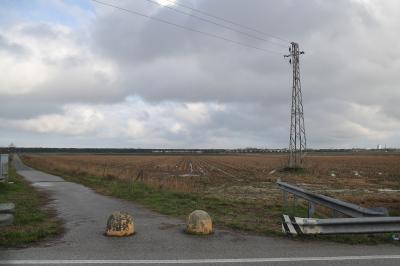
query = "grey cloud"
x=40 y=30
x=16 y=107
x=13 y=48
x=349 y=62
x=225 y=72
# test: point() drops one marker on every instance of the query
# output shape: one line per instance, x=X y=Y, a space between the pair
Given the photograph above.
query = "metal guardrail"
x=7 y=207
x=298 y=226
x=6 y=219
x=343 y=207
x=4 y=165
x=6 y=214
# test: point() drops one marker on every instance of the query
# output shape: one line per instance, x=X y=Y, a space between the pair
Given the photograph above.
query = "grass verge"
x=32 y=222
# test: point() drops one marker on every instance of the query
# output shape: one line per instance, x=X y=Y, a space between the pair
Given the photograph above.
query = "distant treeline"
x=113 y=150
x=173 y=151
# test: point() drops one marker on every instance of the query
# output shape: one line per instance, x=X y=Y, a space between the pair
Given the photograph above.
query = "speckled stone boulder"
x=199 y=223
x=120 y=224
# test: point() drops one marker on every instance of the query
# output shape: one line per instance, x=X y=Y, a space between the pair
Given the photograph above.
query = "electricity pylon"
x=297 y=142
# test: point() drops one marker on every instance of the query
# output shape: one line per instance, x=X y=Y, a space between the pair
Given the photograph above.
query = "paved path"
x=160 y=239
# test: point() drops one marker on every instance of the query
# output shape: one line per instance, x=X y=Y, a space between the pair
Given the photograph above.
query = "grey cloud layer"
x=349 y=74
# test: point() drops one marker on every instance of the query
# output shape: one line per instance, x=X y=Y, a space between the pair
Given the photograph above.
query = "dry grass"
x=238 y=191
x=362 y=179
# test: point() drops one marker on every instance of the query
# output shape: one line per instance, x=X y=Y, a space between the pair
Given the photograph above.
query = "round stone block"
x=120 y=224
x=199 y=223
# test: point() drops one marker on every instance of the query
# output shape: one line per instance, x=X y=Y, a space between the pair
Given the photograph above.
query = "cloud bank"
x=98 y=77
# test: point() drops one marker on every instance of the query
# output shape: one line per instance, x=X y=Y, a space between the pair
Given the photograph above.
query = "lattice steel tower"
x=297 y=142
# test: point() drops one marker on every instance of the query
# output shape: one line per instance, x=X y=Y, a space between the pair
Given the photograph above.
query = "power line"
x=215 y=23
x=185 y=28
x=226 y=20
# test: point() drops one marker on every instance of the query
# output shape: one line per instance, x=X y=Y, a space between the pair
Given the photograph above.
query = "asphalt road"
x=160 y=239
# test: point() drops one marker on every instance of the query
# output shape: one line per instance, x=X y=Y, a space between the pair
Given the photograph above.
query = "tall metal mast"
x=297 y=142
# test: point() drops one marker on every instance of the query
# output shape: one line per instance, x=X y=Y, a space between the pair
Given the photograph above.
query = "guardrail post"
x=294 y=204
x=335 y=213
x=311 y=209
x=285 y=198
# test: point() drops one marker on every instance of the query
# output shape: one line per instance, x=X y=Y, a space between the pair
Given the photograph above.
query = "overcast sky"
x=79 y=74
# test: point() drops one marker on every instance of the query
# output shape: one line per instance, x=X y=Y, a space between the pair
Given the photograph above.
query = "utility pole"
x=297 y=142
